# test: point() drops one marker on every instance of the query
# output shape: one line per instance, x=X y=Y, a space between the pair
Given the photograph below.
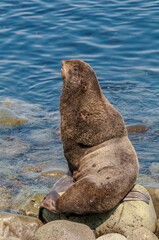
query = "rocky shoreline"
x=132 y=220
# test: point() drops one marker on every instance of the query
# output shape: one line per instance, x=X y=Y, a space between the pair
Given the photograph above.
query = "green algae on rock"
x=32 y=208
x=10 y=118
x=54 y=174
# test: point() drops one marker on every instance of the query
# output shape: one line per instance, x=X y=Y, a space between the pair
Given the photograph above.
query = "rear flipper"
x=50 y=199
x=137 y=194
x=49 y=202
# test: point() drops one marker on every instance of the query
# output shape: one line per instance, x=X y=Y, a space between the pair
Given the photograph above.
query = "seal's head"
x=76 y=75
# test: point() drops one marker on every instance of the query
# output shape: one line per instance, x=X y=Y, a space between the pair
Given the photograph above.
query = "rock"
x=32 y=208
x=154 y=193
x=154 y=168
x=8 y=104
x=112 y=236
x=10 y=238
x=20 y=200
x=54 y=174
x=37 y=170
x=64 y=230
x=5 y=196
x=130 y=215
x=12 y=225
x=137 y=128
x=13 y=147
x=157 y=229
x=9 y=118
x=41 y=137
x=141 y=234
x=145 y=179
x=125 y=217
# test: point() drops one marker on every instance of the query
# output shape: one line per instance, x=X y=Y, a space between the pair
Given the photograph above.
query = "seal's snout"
x=64 y=70
x=63 y=63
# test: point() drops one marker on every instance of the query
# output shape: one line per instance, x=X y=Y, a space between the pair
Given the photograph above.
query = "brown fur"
x=87 y=118
x=95 y=144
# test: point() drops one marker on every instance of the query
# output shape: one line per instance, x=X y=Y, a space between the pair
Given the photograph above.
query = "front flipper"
x=63 y=183
x=137 y=194
x=49 y=203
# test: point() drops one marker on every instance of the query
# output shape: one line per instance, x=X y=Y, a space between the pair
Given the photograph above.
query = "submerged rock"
x=145 y=179
x=32 y=208
x=21 y=227
x=13 y=147
x=5 y=196
x=54 y=174
x=137 y=129
x=8 y=104
x=64 y=230
x=10 y=118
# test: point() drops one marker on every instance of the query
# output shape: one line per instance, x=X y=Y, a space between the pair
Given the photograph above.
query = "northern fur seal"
x=100 y=156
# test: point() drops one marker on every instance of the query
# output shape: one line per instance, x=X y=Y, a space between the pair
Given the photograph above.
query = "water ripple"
x=119 y=39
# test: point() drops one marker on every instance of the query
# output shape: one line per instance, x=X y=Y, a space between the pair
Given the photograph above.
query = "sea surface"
x=119 y=39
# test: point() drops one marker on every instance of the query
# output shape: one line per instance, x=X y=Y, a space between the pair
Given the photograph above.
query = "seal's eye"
x=75 y=69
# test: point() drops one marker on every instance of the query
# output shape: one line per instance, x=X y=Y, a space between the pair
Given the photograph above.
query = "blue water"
x=119 y=39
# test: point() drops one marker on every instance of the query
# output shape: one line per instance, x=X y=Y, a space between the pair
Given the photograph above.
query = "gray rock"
x=112 y=236
x=141 y=234
x=154 y=193
x=157 y=229
x=128 y=216
x=17 y=226
x=64 y=230
x=10 y=238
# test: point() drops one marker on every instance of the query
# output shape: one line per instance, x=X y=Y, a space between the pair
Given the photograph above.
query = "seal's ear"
x=83 y=85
